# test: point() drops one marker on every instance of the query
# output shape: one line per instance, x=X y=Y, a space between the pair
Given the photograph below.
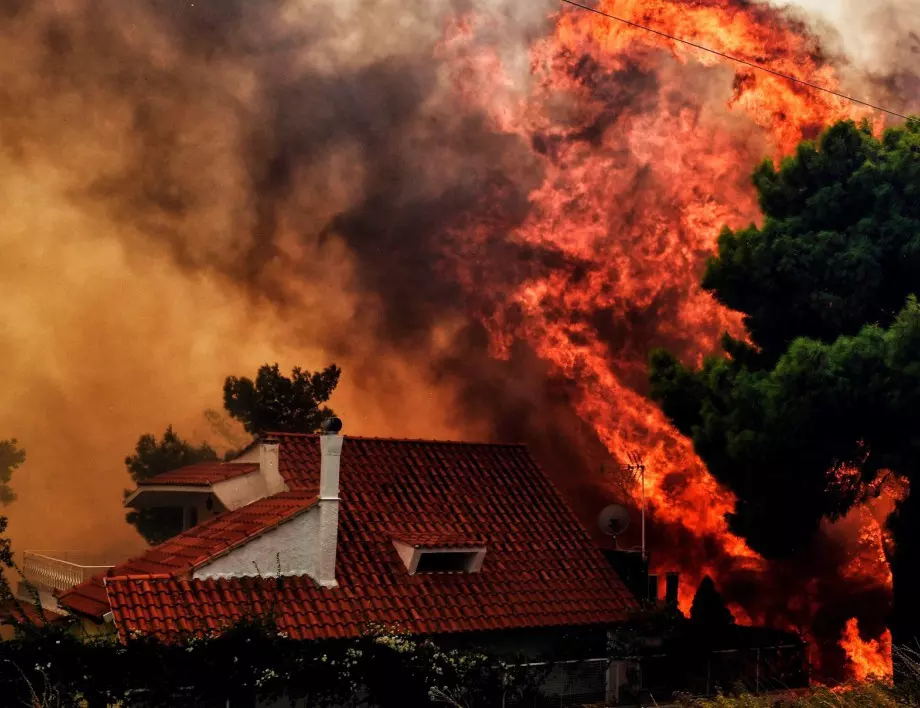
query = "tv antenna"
x=635 y=469
x=613 y=520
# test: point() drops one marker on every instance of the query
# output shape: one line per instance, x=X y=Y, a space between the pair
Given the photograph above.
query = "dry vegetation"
x=870 y=694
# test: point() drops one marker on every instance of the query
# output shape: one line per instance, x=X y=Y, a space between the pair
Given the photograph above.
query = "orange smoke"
x=646 y=146
x=866 y=659
x=127 y=231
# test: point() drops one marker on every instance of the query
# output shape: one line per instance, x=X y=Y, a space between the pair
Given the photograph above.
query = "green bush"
x=246 y=662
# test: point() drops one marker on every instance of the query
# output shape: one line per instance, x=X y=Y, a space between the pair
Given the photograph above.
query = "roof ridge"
x=208 y=463
x=134 y=577
x=424 y=441
x=205 y=473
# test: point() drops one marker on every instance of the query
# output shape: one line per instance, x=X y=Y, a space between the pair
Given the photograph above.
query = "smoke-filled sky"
x=189 y=190
x=868 y=29
x=166 y=173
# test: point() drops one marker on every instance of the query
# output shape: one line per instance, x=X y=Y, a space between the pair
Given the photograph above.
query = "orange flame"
x=646 y=147
x=866 y=659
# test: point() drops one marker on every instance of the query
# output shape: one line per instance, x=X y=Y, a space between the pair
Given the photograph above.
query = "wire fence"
x=756 y=670
x=570 y=683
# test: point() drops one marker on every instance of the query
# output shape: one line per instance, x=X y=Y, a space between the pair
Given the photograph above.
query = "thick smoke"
x=876 y=43
x=172 y=173
x=192 y=189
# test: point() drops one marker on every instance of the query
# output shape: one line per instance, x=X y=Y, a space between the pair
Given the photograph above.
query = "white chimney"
x=268 y=467
x=331 y=447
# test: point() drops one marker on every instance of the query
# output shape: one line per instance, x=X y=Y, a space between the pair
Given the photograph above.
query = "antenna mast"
x=636 y=470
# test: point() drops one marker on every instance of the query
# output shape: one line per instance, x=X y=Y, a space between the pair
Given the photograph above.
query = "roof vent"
x=332 y=426
x=434 y=553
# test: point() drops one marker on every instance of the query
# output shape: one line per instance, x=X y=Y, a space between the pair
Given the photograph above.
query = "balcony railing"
x=60 y=570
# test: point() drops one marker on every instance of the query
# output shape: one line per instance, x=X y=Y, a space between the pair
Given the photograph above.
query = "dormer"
x=426 y=553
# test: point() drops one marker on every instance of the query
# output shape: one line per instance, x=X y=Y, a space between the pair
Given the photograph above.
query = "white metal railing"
x=60 y=570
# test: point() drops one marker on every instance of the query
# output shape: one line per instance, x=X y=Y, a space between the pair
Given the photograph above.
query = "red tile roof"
x=440 y=540
x=202 y=474
x=164 y=605
x=192 y=548
x=540 y=568
x=18 y=612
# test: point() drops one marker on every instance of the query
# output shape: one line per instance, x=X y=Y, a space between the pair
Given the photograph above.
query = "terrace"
x=47 y=571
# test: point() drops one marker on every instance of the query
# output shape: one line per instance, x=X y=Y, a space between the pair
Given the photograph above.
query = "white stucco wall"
x=234 y=493
x=407 y=554
x=251 y=456
x=327 y=542
x=293 y=544
x=270 y=469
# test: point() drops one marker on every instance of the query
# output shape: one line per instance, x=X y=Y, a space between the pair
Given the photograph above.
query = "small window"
x=444 y=561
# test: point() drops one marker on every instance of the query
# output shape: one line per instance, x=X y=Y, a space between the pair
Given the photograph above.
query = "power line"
x=738 y=59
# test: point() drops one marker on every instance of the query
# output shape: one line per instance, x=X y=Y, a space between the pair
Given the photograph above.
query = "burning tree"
x=809 y=415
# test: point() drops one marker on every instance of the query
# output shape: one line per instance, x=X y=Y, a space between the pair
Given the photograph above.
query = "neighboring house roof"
x=192 y=548
x=541 y=568
x=202 y=474
x=19 y=612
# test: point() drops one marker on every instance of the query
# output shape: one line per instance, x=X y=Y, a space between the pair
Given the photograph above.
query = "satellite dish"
x=614 y=519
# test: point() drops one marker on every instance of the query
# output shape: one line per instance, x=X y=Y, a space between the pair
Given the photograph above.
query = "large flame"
x=647 y=146
x=866 y=659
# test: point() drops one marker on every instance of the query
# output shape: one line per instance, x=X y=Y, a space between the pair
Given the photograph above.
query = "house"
x=15 y=613
x=466 y=542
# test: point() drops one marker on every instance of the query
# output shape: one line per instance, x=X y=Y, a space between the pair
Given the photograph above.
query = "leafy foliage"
x=806 y=419
x=840 y=244
x=11 y=457
x=6 y=558
x=152 y=457
x=278 y=404
x=250 y=662
x=271 y=403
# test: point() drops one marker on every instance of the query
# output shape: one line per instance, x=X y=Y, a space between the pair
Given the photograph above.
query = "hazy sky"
x=832 y=9
x=867 y=28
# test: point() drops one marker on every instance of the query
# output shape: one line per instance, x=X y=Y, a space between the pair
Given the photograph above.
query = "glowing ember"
x=866 y=659
x=646 y=148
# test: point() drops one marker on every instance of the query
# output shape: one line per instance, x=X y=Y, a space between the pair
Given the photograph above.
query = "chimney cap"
x=332 y=426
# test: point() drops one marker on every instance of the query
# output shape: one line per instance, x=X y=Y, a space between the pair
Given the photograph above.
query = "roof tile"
x=191 y=548
x=202 y=474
